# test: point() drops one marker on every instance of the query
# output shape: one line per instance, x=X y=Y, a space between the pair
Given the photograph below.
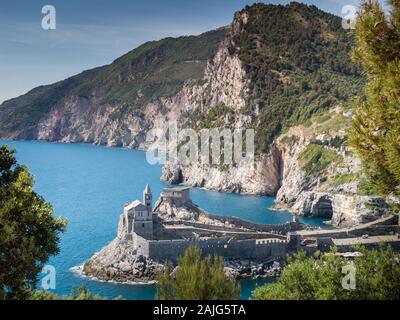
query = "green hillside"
x=155 y=69
x=298 y=60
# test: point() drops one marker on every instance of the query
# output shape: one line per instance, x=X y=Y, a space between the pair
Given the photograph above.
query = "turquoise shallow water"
x=90 y=184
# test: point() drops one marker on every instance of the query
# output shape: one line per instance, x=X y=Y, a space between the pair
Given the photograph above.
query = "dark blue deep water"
x=89 y=186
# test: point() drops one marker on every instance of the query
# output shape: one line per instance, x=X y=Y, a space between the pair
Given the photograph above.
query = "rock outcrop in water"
x=119 y=262
x=145 y=242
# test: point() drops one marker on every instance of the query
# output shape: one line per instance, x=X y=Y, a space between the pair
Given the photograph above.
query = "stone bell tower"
x=148 y=199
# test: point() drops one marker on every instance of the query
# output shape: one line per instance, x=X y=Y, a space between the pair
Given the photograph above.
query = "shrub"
x=196 y=279
x=315 y=158
x=320 y=277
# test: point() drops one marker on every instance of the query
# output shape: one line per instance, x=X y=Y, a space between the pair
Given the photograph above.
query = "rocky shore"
x=118 y=262
x=245 y=269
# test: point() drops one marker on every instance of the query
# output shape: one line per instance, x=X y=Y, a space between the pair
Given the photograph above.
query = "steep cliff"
x=273 y=85
x=321 y=175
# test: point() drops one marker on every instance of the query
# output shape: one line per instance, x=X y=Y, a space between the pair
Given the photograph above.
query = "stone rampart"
x=252 y=249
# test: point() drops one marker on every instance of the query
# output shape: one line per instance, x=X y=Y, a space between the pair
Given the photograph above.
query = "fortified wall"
x=251 y=249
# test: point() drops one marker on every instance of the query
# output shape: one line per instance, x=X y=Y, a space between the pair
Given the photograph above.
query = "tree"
x=29 y=234
x=376 y=128
x=81 y=293
x=196 y=279
x=377 y=277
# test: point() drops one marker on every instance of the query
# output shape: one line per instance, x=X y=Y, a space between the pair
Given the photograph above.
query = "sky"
x=92 y=33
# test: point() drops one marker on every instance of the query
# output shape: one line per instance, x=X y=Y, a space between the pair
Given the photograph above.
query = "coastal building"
x=138 y=216
x=178 y=196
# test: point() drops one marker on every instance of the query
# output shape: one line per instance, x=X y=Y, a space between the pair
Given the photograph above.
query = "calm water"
x=89 y=185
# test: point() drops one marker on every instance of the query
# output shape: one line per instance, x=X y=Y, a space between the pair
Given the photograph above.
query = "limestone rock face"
x=261 y=177
x=171 y=173
x=293 y=178
x=318 y=195
x=357 y=209
x=315 y=205
x=167 y=211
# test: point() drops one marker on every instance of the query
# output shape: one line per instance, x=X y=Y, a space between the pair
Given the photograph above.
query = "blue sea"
x=90 y=184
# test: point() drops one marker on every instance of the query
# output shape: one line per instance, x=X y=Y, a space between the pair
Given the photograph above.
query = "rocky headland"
x=121 y=261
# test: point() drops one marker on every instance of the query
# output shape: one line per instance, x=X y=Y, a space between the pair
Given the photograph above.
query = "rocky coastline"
x=117 y=263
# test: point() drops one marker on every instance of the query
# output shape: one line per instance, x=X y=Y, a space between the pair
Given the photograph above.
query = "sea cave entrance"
x=324 y=208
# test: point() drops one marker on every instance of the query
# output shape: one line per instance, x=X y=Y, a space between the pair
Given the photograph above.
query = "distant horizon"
x=33 y=57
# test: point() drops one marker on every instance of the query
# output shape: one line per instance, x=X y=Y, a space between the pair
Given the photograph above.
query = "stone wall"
x=143 y=229
x=272 y=228
x=227 y=248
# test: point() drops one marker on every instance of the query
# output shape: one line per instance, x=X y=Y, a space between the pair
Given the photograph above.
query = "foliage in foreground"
x=377 y=277
x=196 y=279
x=29 y=234
x=376 y=128
x=81 y=293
